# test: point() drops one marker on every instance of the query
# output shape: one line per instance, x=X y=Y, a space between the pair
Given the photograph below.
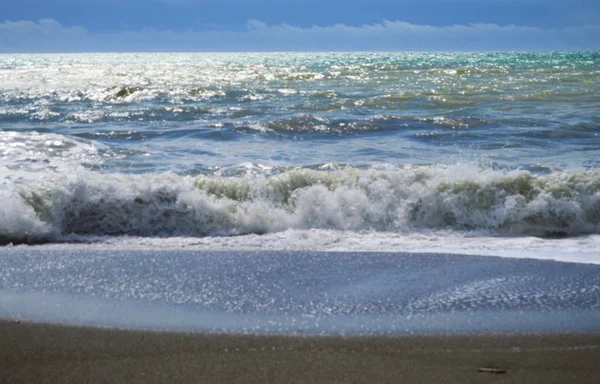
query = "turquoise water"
x=99 y=146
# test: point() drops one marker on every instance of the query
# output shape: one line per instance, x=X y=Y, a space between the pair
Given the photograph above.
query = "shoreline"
x=345 y=242
x=48 y=353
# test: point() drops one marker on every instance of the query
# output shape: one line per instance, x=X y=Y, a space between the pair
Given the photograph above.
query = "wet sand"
x=43 y=353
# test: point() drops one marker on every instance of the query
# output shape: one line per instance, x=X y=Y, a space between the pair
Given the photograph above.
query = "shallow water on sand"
x=298 y=292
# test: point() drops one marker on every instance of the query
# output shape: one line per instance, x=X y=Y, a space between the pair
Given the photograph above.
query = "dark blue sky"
x=102 y=21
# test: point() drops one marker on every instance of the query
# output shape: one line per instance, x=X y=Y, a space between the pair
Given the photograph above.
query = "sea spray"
x=400 y=200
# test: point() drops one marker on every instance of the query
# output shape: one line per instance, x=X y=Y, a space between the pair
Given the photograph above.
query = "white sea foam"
x=397 y=200
x=36 y=151
x=580 y=249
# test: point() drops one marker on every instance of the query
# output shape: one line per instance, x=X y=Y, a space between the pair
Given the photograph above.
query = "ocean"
x=494 y=153
x=302 y=192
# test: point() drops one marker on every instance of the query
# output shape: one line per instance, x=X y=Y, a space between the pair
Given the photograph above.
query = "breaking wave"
x=461 y=197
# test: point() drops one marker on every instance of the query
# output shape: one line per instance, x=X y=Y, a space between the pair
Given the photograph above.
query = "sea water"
x=297 y=292
x=481 y=153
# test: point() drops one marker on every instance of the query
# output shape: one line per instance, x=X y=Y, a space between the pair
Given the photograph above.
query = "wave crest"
x=392 y=200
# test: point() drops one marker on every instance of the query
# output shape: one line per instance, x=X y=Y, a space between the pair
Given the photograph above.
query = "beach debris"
x=494 y=370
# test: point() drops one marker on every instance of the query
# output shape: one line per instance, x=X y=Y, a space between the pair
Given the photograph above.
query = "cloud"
x=46 y=35
x=50 y=36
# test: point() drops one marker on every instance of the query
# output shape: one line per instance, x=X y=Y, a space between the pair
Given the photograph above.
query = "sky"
x=297 y=25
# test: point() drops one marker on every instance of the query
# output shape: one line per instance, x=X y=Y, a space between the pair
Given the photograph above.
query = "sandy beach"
x=43 y=353
x=262 y=317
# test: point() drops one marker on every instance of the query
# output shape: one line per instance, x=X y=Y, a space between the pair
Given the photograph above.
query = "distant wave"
x=456 y=198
